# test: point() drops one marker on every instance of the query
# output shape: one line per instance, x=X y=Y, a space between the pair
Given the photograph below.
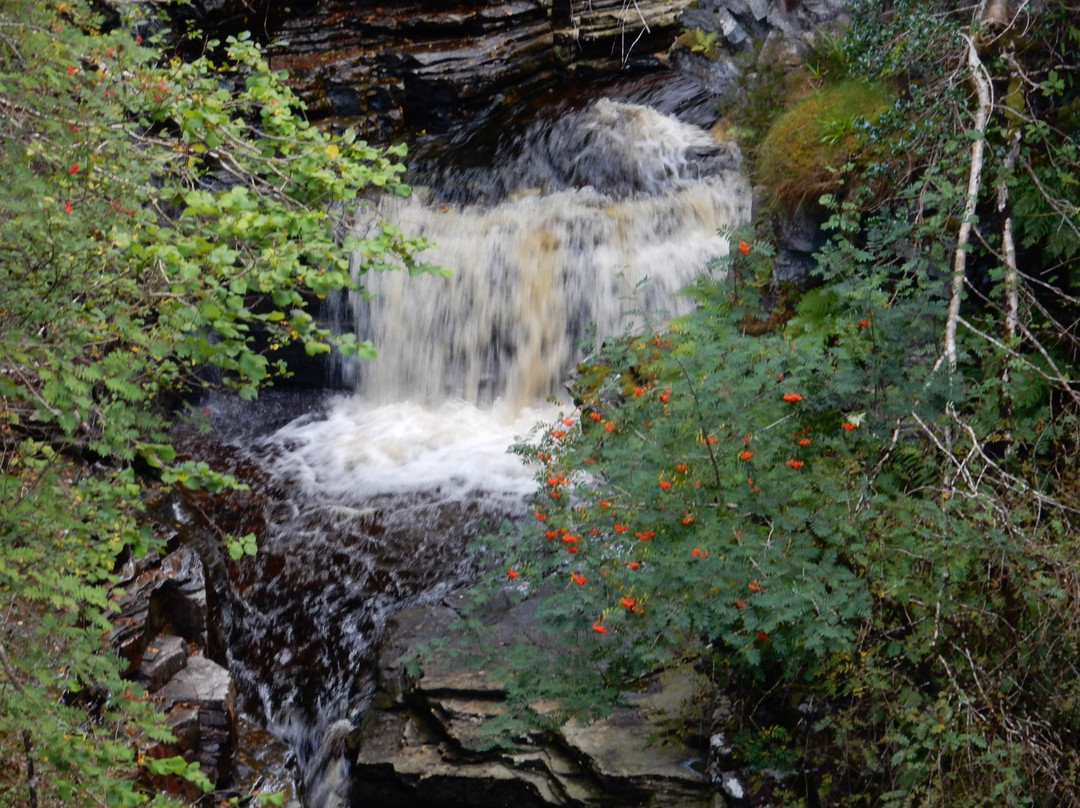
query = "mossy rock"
x=804 y=149
x=704 y=43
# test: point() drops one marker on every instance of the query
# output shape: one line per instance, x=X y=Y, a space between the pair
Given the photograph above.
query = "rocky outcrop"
x=199 y=703
x=169 y=597
x=724 y=37
x=727 y=37
x=417 y=66
x=165 y=630
x=783 y=28
x=395 y=69
x=424 y=742
x=412 y=65
x=602 y=35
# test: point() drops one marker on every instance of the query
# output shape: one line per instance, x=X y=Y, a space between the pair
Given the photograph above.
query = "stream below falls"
x=576 y=225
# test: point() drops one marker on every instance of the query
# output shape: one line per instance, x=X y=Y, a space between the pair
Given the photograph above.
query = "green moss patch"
x=806 y=146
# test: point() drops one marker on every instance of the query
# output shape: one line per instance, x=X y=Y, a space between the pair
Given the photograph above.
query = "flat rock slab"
x=635 y=742
x=201 y=681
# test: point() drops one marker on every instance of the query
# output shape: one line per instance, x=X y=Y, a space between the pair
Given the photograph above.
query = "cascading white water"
x=529 y=275
x=465 y=362
x=607 y=210
x=531 y=272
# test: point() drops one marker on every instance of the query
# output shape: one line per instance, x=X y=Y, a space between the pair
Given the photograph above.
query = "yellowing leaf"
x=333 y=151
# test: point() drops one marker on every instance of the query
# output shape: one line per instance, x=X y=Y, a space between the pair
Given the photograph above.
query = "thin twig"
x=1060 y=379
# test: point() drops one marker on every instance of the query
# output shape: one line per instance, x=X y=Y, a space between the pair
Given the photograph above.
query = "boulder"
x=164 y=598
x=202 y=682
x=162 y=660
x=200 y=707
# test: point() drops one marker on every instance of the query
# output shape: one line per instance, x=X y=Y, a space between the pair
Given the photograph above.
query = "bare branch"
x=1011 y=281
x=1012 y=297
x=1063 y=382
x=1010 y=481
x=983 y=91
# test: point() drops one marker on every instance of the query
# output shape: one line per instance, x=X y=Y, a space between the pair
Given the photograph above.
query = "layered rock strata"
x=424 y=742
x=166 y=630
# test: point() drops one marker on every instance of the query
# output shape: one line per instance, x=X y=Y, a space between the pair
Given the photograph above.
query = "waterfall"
x=583 y=222
x=606 y=210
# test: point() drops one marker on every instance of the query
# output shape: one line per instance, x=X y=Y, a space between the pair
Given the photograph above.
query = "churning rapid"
x=580 y=220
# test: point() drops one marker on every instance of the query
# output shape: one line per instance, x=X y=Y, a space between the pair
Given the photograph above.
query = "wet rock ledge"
x=168 y=628
x=421 y=745
x=397 y=68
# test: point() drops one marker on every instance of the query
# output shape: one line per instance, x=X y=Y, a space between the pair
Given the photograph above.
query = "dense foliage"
x=858 y=516
x=162 y=223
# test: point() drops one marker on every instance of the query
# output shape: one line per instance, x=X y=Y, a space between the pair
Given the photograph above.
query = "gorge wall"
x=401 y=67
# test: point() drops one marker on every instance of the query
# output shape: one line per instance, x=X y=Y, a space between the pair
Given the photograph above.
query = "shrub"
x=156 y=216
x=861 y=521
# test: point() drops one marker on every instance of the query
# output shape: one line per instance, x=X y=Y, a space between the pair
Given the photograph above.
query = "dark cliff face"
x=395 y=68
x=404 y=67
x=399 y=67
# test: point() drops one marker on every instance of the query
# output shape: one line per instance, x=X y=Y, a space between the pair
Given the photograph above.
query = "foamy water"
x=362 y=449
x=626 y=211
